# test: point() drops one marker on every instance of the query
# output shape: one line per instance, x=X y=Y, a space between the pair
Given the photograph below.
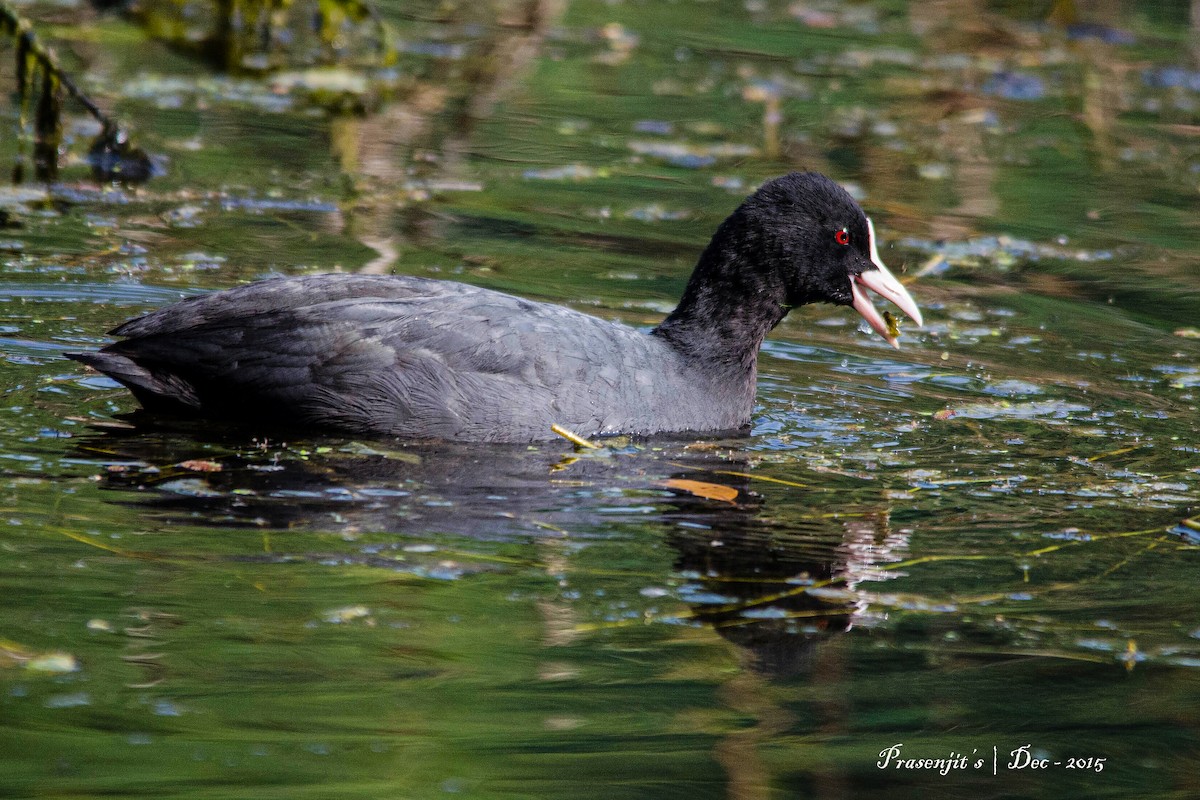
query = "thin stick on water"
x=574 y=438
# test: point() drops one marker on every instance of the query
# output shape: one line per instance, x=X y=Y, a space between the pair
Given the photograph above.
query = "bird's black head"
x=799 y=239
x=808 y=229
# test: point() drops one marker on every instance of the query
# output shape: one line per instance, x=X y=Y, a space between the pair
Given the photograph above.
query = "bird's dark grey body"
x=415 y=358
x=424 y=359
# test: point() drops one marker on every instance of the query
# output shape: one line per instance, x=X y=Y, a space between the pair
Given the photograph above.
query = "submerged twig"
x=737 y=474
x=825 y=583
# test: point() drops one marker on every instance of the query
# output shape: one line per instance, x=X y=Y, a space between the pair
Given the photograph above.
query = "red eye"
x=842 y=236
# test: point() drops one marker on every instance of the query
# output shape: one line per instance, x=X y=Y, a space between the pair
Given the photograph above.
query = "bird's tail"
x=156 y=391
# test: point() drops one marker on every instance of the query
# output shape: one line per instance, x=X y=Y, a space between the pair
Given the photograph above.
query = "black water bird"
x=426 y=359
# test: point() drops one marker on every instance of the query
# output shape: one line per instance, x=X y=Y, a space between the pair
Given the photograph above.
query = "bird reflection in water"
x=774 y=581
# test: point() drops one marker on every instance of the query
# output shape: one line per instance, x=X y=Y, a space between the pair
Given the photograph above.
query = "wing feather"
x=382 y=354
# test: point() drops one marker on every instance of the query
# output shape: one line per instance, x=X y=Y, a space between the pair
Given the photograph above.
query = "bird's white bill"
x=881 y=281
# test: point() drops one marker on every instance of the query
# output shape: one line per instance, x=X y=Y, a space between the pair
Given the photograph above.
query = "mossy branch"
x=37 y=68
x=30 y=48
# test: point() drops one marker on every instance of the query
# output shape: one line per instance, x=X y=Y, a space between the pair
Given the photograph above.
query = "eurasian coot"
x=426 y=359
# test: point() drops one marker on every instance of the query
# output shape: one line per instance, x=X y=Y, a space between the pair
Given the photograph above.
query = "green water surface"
x=971 y=545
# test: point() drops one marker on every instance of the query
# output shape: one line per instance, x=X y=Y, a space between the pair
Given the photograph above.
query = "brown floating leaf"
x=200 y=465
x=710 y=491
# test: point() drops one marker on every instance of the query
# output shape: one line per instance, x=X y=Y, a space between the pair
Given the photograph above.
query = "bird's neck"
x=727 y=309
